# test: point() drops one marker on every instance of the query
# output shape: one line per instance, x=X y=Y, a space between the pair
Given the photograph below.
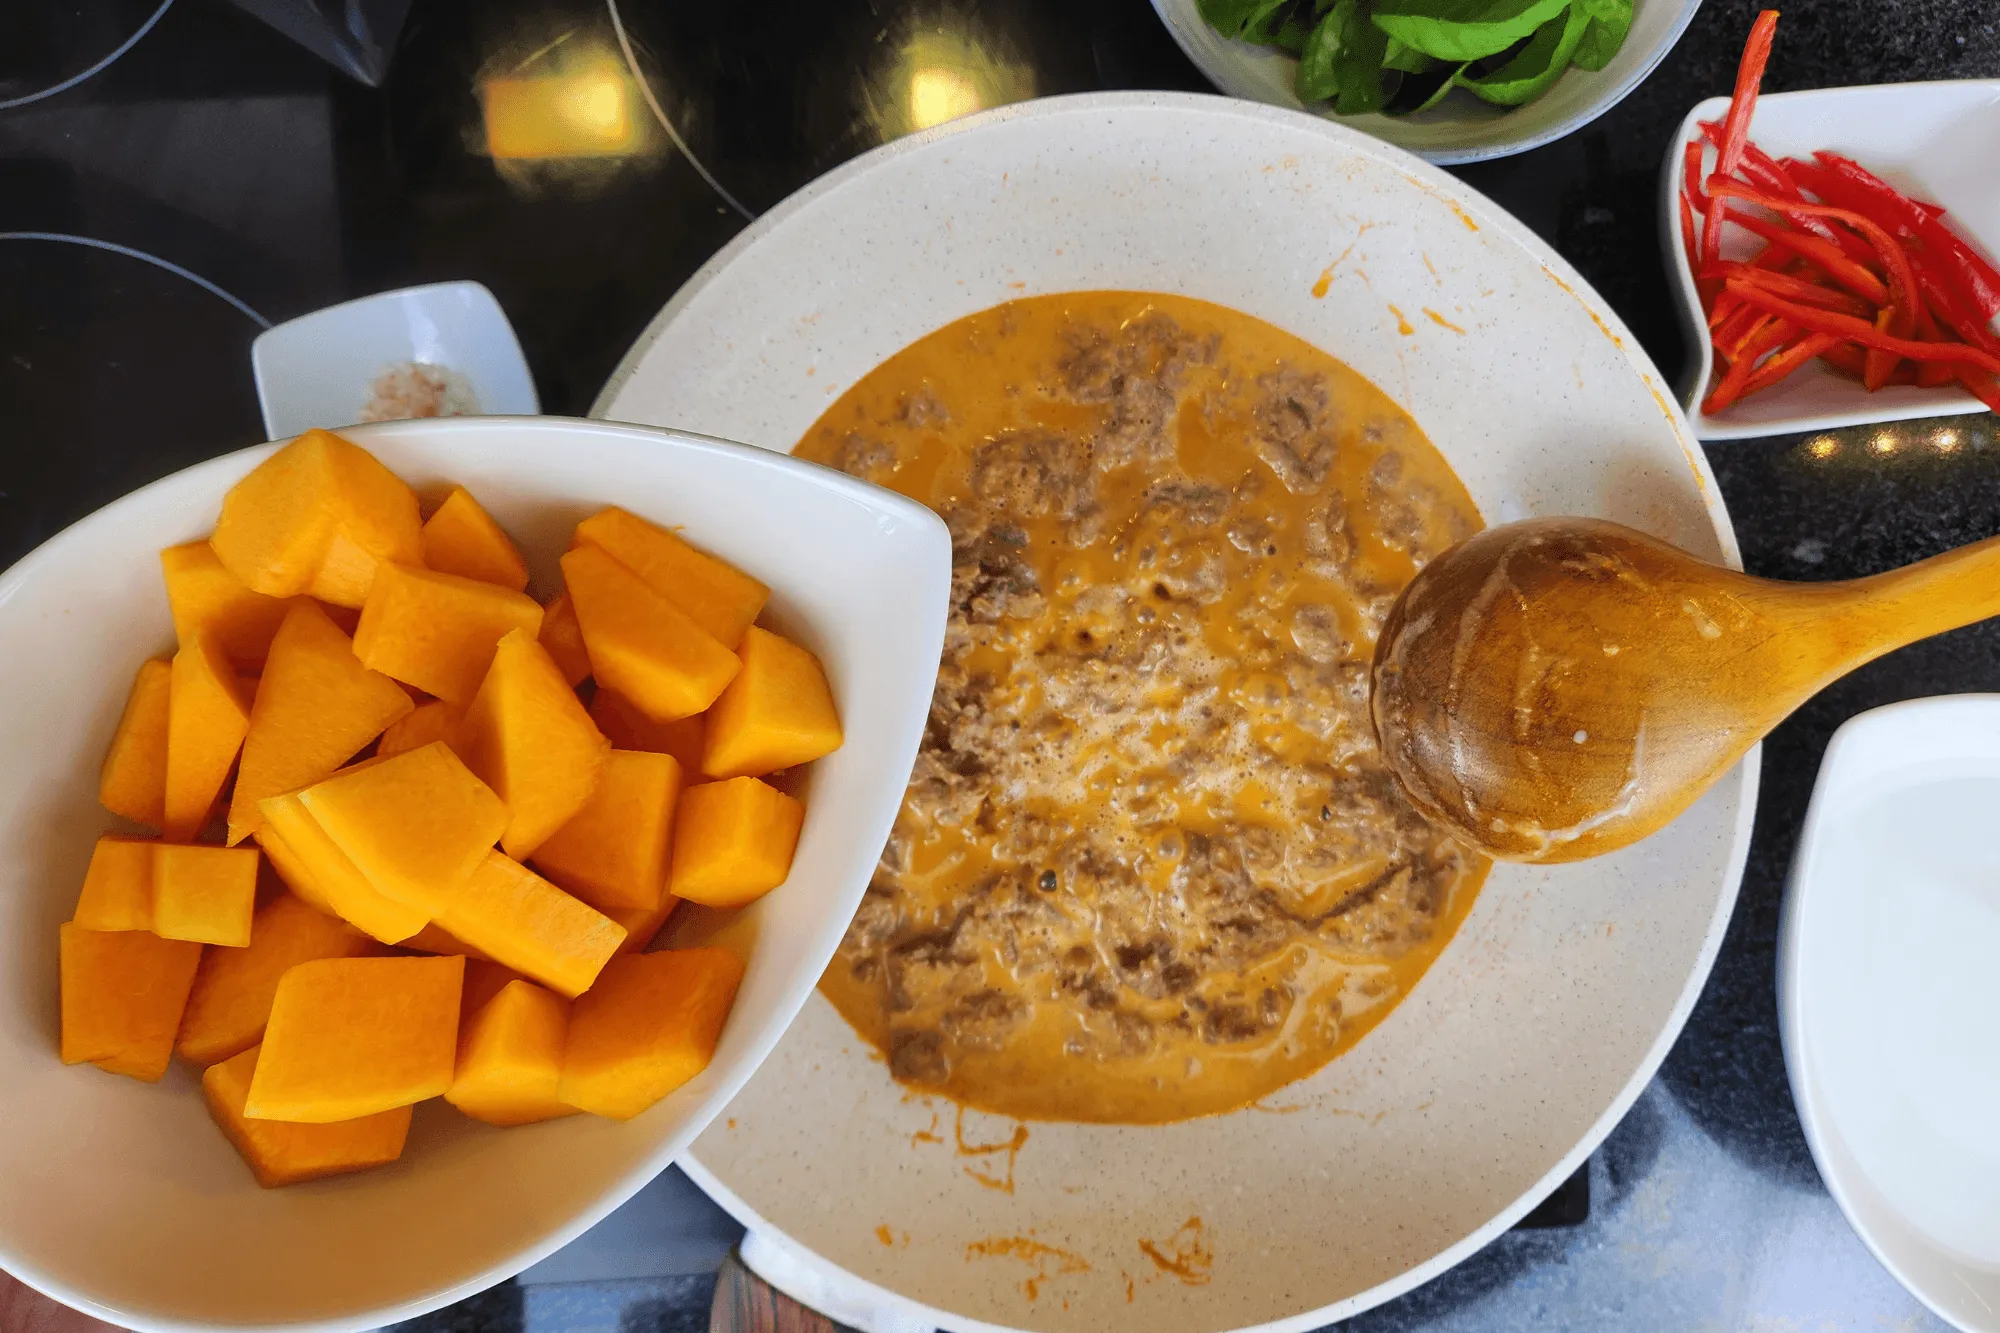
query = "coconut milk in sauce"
x=1150 y=865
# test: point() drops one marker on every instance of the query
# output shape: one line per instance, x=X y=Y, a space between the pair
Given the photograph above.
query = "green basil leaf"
x=1358 y=67
x=1532 y=72
x=1267 y=25
x=1315 y=81
x=1232 y=18
x=1292 y=34
x=1461 y=30
x=1407 y=59
x=1439 y=94
x=1605 y=35
x=1608 y=10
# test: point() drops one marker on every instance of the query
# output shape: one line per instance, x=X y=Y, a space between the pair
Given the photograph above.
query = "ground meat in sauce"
x=1085 y=733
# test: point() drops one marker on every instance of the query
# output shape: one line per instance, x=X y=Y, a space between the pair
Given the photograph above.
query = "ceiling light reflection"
x=1884 y=442
x=1825 y=446
x=584 y=111
x=1945 y=441
x=943 y=70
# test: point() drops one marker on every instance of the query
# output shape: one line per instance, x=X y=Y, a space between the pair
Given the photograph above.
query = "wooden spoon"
x=1560 y=688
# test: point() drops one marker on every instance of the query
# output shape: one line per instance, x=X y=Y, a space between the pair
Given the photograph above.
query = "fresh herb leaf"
x=1292 y=34
x=1438 y=93
x=1416 y=91
x=1540 y=63
x=1461 y=30
x=1234 y=18
x=1610 y=23
x=1407 y=59
x=1358 y=67
x=1315 y=81
x=1267 y=23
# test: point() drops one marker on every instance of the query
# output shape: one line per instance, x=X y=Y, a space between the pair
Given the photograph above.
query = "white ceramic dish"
x=1887 y=991
x=1938 y=141
x=320 y=369
x=1556 y=1001
x=1462 y=128
x=121 y=1198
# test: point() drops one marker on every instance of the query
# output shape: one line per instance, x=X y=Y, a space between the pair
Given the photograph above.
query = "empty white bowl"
x=1887 y=992
x=121 y=1198
x=321 y=369
x=1936 y=141
x=1462 y=128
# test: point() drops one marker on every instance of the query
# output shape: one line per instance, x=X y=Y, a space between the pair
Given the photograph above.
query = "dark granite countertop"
x=225 y=148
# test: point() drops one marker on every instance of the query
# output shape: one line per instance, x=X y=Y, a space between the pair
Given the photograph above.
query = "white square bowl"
x=320 y=369
x=1936 y=141
x=120 y=1197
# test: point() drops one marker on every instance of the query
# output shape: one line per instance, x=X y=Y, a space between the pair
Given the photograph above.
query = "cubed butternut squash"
x=284 y=1153
x=118 y=887
x=462 y=538
x=733 y=841
x=233 y=988
x=777 y=713
x=432 y=721
x=133 y=781
x=205 y=894
x=519 y=919
x=203 y=594
x=642 y=925
x=629 y=729
x=528 y=738
x=414 y=825
x=122 y=996
x=484 y=979
x=510 y=1058
x=641 y=644
x=716 y=595
x=438 y=631
x=434 y=938
x=208 y=711
x=613 y=852
x=649 y=1025
x=316 y=707
x=350 y=1037
x=313 y=866
x=319 y=516
x=563 y=637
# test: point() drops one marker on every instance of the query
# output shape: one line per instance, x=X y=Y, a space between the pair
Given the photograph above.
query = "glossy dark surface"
x=220 y=146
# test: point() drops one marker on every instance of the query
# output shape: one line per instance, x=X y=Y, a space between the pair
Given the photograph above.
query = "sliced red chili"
x=1797 y=288
x=1861 y=331
x=1853 y=185
x=1736 y=126
x=1691 y=177
x=1824 y=253
x=1787 y=361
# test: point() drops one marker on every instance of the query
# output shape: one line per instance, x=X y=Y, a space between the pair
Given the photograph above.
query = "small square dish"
x=441 y=350
x=1935 y=141
x=1886 y=988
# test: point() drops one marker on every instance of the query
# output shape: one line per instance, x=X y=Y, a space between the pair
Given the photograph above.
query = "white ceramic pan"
x=1552 y=1007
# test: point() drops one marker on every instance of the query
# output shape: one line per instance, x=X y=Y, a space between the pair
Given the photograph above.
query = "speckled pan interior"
x=1551 y=1008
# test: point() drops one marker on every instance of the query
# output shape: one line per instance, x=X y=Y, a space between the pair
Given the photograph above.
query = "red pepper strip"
x=1974 y=275
x=1738 y=332
x=1846 y=358
x=1798 y=289
x=1895 y=259
x=1769 y=337
x=1787 y=361
x=1951 y=309
x=1932 y=374
x=1935 y=210
x=1826 y=254
x=1861 y=331
x=1736 y=126
x=1986 y=388
x=1723 y=307
x=1877 y=366
x=1691 y=176
x=1772 y=177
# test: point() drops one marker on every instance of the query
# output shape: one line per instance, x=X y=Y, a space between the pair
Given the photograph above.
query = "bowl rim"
x=1425 y=176
x=850 y=490
x=1687 y=300
x=1223 y=77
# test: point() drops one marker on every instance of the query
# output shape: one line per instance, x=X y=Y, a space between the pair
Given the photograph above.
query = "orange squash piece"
x=434 y=938
x=649 y=1025
x=527 y=736
x=133 y=781
x=484 y=979
x=415 y=825
x=438 y=631
x=641 y=644
x=641 y=926
x=629 y=729
x=281 y=1153
x=203 y=594
x=122 y=996
x=563 y=637
x=316 y=707
x=319 y=516
x=350 y=1037
x=233 y=988
x=433 y=721
x=613 y=853
x=208 y=711
x=462 y=538
x=777 y=713
x=733 y=841
x=510 y=1058
x=716 y=595
x=118 y=888
x=205 y=894
x=522 y=921
x=313 y=866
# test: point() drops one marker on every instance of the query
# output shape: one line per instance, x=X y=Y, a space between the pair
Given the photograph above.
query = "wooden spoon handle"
x=746 y=1303
x=1929 y=597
